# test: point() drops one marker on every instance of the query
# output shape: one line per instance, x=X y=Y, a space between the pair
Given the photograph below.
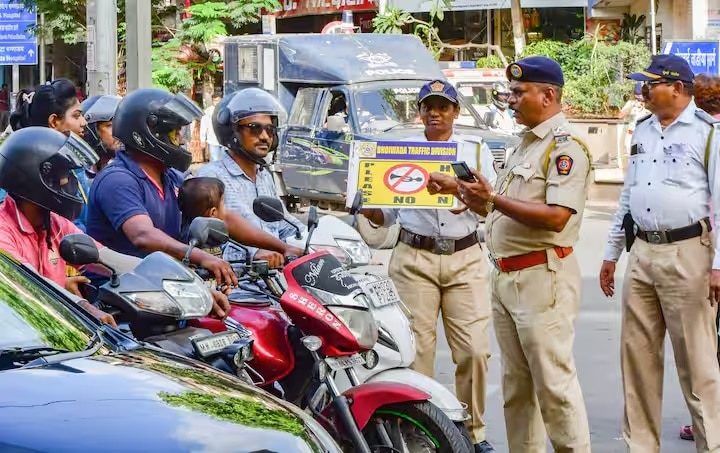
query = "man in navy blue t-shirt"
x=133 y=205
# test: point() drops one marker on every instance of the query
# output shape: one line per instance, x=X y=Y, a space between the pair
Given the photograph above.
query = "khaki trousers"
x=534 y=311
x=456 y=285
x=666 y=288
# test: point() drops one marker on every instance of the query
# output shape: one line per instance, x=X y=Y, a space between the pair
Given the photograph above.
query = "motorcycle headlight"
x=181 y=300
x=358 y=251
x=360 y=322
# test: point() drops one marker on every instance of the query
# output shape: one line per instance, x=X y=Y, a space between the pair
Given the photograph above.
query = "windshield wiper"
x=398 y=125
x=46 y=355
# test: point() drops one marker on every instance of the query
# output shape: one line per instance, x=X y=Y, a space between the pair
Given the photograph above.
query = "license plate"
x=340 y=363
x=381 y=292
x=213 y=344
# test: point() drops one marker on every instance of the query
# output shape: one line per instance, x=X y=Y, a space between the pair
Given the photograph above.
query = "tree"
x=190 y=55
x=394 y=20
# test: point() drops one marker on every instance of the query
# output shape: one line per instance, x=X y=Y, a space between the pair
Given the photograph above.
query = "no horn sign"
x=406 y=179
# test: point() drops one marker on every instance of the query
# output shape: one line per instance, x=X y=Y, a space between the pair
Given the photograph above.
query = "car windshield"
x=32 y=317
x=379 y=109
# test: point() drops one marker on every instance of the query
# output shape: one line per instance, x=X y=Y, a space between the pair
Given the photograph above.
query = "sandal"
x=686 y=433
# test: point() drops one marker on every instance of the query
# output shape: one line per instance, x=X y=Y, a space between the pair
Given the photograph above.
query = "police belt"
x=520 y=262
x=439 y=246
x=678 y=234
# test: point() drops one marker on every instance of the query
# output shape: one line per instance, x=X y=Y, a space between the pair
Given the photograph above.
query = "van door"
x=333 y=137
x=297 y=157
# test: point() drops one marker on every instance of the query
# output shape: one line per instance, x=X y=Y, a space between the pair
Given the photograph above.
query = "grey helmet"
x=500 y=94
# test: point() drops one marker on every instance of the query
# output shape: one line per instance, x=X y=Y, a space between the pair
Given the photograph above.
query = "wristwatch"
x=490 y=204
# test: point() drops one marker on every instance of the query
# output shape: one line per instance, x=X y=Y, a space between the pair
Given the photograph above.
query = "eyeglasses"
x=257 y=129
x=653 y=83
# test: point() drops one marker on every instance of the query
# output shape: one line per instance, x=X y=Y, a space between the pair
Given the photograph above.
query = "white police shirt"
x=667 y=185
x=441 y=222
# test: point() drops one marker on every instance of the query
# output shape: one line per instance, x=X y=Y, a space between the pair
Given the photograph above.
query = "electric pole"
x=138 y=68
x=518 y=29
x=101 y=47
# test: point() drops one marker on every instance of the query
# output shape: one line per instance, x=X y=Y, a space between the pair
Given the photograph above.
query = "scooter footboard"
x=440 y=396
x=366 y=398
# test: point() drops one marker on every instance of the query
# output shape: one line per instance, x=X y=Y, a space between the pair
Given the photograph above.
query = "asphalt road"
x=597 y=352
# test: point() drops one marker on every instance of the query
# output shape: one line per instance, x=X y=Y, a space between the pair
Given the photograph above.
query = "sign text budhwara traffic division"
x=394 y=174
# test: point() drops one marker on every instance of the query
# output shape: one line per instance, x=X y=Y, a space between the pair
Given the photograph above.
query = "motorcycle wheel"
x=416 y=428
x=462 y=427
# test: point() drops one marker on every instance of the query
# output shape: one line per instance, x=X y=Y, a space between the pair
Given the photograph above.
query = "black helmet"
x=242 y=104
x=34 y=161
x=500 y=94
x=149 y=120
x=98 y=109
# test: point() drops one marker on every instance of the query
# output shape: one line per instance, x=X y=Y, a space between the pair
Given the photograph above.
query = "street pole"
x=41 y=51
x=101 y=47
x=517 y=24
x=139 y=44
x=653 y=38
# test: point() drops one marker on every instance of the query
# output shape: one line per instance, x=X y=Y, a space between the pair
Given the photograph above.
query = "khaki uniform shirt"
x=525 y=178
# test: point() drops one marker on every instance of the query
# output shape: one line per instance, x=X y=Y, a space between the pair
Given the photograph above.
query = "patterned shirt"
x=240 y=192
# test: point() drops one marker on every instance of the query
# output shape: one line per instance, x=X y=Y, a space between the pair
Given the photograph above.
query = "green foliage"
x=394 y=20
x=490 y=62
x=632 y=28
x=167 y=71
x=595 y=72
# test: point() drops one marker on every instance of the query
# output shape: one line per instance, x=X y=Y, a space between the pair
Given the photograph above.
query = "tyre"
x=462 y=427
x=415 y=427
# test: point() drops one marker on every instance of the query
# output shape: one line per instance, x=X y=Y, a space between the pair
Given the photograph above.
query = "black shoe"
x=484 y=447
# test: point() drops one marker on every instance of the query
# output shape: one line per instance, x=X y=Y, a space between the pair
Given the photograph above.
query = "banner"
x=394 y=174
x=295 y=8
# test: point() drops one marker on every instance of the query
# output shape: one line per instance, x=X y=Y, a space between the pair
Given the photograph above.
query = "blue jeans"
x=216 y=152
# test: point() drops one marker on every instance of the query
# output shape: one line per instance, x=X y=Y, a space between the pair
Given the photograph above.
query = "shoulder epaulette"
x=705 y=116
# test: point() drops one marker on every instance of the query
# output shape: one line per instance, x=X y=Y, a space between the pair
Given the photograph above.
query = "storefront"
x=310 y=16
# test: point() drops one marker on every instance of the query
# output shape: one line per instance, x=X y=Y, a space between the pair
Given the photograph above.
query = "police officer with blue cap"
x=439 y=267
x=534 y=212
x=672 y=187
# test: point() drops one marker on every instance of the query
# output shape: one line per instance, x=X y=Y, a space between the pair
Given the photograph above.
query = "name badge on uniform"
x=634 y=149
x=561 y=135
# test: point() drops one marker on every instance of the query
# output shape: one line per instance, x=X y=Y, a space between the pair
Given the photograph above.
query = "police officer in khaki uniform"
x=439 y=267
x=673 y=276
x=533 y=220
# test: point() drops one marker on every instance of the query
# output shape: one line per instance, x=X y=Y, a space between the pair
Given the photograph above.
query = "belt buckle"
x=657 y=237
x=444 y=246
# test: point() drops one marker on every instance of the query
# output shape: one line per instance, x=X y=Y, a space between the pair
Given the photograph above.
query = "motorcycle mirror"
x=208 y=232
x=489 y=119
x=357 y=202
x=79 y=250
x=313 y=218
x=269 y=209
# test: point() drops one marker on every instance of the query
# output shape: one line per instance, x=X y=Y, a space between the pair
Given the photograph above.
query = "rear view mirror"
x=313 y=219
x=79 y=250
x=208 y=232
x=489 y=119
x=357 y=202
x=269 y=209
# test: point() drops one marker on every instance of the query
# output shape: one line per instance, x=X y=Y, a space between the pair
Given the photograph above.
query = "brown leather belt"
x=678 y=234
x=520 y=262
x=439 y=246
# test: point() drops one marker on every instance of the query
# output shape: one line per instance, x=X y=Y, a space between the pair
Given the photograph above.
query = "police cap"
x=669 y=67
x=536 y=69
x=440 y=88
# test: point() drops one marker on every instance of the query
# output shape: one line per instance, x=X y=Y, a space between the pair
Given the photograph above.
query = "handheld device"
x=462 y=171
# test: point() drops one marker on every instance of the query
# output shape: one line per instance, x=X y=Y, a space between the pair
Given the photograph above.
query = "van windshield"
x=380 y=109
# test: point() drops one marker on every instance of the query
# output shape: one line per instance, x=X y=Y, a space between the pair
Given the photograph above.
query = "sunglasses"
x=257 y=129
x=654 y=83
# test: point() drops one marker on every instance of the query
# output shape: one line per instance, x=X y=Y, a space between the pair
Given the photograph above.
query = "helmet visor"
x=252 y=102
x=78 y=153
x=102 y=110
x=183 y=108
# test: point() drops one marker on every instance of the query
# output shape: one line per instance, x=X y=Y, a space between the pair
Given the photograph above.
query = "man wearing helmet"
x=246 y=122
x=133 y=206
x=502 y=118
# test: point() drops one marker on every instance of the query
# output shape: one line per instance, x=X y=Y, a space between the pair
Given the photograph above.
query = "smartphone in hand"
x=462 y=171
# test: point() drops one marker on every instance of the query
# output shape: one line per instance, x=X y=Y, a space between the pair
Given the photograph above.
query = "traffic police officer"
x=438 y=266
x=533 y=220
x=663 y=220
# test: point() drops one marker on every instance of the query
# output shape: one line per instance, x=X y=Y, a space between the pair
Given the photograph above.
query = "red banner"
x=295 y=8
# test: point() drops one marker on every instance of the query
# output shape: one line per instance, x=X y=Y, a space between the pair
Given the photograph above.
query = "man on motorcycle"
x=246 y=122
x=502 y=116
x=133 y=206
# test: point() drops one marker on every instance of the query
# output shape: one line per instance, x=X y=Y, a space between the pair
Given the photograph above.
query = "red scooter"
x=318 y=326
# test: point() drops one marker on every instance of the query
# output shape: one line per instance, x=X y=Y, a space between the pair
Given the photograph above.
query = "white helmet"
x=500 y=94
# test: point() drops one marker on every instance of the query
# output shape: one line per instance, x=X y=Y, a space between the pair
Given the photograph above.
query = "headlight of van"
x=181 y=300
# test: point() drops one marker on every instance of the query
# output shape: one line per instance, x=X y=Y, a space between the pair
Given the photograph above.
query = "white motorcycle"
x=395 y=346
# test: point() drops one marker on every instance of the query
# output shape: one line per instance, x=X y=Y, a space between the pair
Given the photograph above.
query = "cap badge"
x=516 y=71
x=437 y=87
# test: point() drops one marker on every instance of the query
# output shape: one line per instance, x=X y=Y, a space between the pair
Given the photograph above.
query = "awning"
x=418 y=6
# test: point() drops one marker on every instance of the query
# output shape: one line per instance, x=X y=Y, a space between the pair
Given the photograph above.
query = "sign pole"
x=653 y=38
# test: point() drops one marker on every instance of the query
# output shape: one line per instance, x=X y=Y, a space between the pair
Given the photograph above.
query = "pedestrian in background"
x=439 y=267
x=533 y=221
x=707 y=97
x=208 y=140
x=672 y=282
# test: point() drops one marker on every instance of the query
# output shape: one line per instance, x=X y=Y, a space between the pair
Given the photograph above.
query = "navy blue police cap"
x=438 y=88
x=536 y=69
x=669 y=67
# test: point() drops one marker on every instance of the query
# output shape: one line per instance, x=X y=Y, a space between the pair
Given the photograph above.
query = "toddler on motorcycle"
x=201 y=197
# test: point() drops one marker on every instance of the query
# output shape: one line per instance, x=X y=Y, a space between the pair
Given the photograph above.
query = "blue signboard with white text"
x=18 y=43
x=703 y=56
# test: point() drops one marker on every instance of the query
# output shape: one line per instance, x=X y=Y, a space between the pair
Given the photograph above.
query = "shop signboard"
x=417 y=6
x=296 y=8
x=703 y=56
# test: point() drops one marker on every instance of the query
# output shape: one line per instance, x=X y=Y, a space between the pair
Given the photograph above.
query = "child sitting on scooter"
x=201 y=197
